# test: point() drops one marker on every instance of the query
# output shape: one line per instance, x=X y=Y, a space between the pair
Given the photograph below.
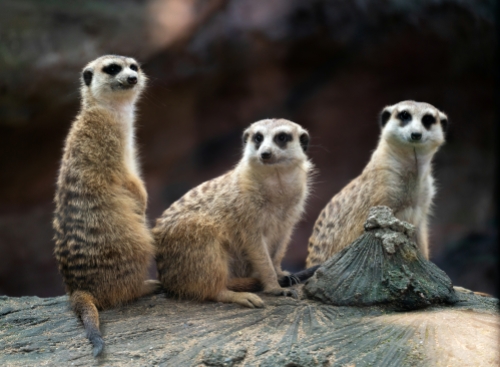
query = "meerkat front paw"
x=283 y=292
x=249 y=300
x=246 y=299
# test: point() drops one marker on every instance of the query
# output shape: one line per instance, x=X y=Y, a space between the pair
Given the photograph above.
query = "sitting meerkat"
x=103 y=244
x=399 y=175
x=224 y=234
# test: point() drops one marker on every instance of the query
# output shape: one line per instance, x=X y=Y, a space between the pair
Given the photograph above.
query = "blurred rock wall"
x=215 y=66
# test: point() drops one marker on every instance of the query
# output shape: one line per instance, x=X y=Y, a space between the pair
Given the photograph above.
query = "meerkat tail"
x=84 y=306
x=297 y=278
x=255 y=285
x=245 y=285
x=151 y=286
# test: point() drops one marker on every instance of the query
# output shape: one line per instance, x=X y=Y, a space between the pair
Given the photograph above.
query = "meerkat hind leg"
x=243 y=298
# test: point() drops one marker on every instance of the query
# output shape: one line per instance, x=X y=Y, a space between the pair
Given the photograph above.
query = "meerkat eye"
x=404 y=116
x=428 y=120
x=282 y=138
x=112 y=69
x=134 y=67
x=258 y=138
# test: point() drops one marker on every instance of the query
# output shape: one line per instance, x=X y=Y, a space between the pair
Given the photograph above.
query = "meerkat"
x=103 y=244
x=222 y=236
x=398 y=175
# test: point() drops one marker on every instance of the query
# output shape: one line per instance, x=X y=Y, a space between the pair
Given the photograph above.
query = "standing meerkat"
x=232 y=231
x=399 y=175
x=103 y=245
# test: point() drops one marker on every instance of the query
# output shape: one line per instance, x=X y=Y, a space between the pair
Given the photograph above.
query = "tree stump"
x=382 y=267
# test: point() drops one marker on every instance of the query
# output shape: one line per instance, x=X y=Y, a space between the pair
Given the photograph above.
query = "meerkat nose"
x=265 y=155
x=416 y=136
x=132 y=80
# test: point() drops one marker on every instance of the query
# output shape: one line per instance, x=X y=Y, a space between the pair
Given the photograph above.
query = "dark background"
x=216 y=66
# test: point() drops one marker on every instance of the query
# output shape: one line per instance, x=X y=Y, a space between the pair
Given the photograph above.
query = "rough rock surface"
x=158 y=331
x=383 y=266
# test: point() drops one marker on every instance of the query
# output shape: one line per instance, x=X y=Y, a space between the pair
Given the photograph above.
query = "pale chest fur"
x=125 y=114
x=409 y=186
x=419 y=200
x=280 y=203
x=283 y=192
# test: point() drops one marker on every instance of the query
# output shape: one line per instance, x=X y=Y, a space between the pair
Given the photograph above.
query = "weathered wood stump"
x=382 y=267
x=158 y=331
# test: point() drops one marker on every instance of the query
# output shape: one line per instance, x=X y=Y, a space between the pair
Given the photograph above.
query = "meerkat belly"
x=275 y=221
x=417 y=203
x=411 y=214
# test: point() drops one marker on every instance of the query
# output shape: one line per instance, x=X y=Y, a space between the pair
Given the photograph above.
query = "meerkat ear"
x=304 y=141
x=444 y=121
x=384 y=117
x=87 y=77
x=246 y=134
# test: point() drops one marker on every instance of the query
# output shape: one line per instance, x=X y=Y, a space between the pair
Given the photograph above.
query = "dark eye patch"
x=281 y=139
x=405 y=117
x=428 y=120
x=258 y=138
x=134 y=67
x=112 y=69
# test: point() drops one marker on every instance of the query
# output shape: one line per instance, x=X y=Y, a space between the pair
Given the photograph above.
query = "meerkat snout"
x=266 y=155
x=416 y=136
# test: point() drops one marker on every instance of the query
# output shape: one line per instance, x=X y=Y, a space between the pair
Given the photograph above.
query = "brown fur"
x=398 y=176
x=237 y=225
x=103 y=245
x=244 y=285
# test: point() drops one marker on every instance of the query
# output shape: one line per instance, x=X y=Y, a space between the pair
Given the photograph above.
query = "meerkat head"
x=112 y=78
x=275 y=142
x=415 y=124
